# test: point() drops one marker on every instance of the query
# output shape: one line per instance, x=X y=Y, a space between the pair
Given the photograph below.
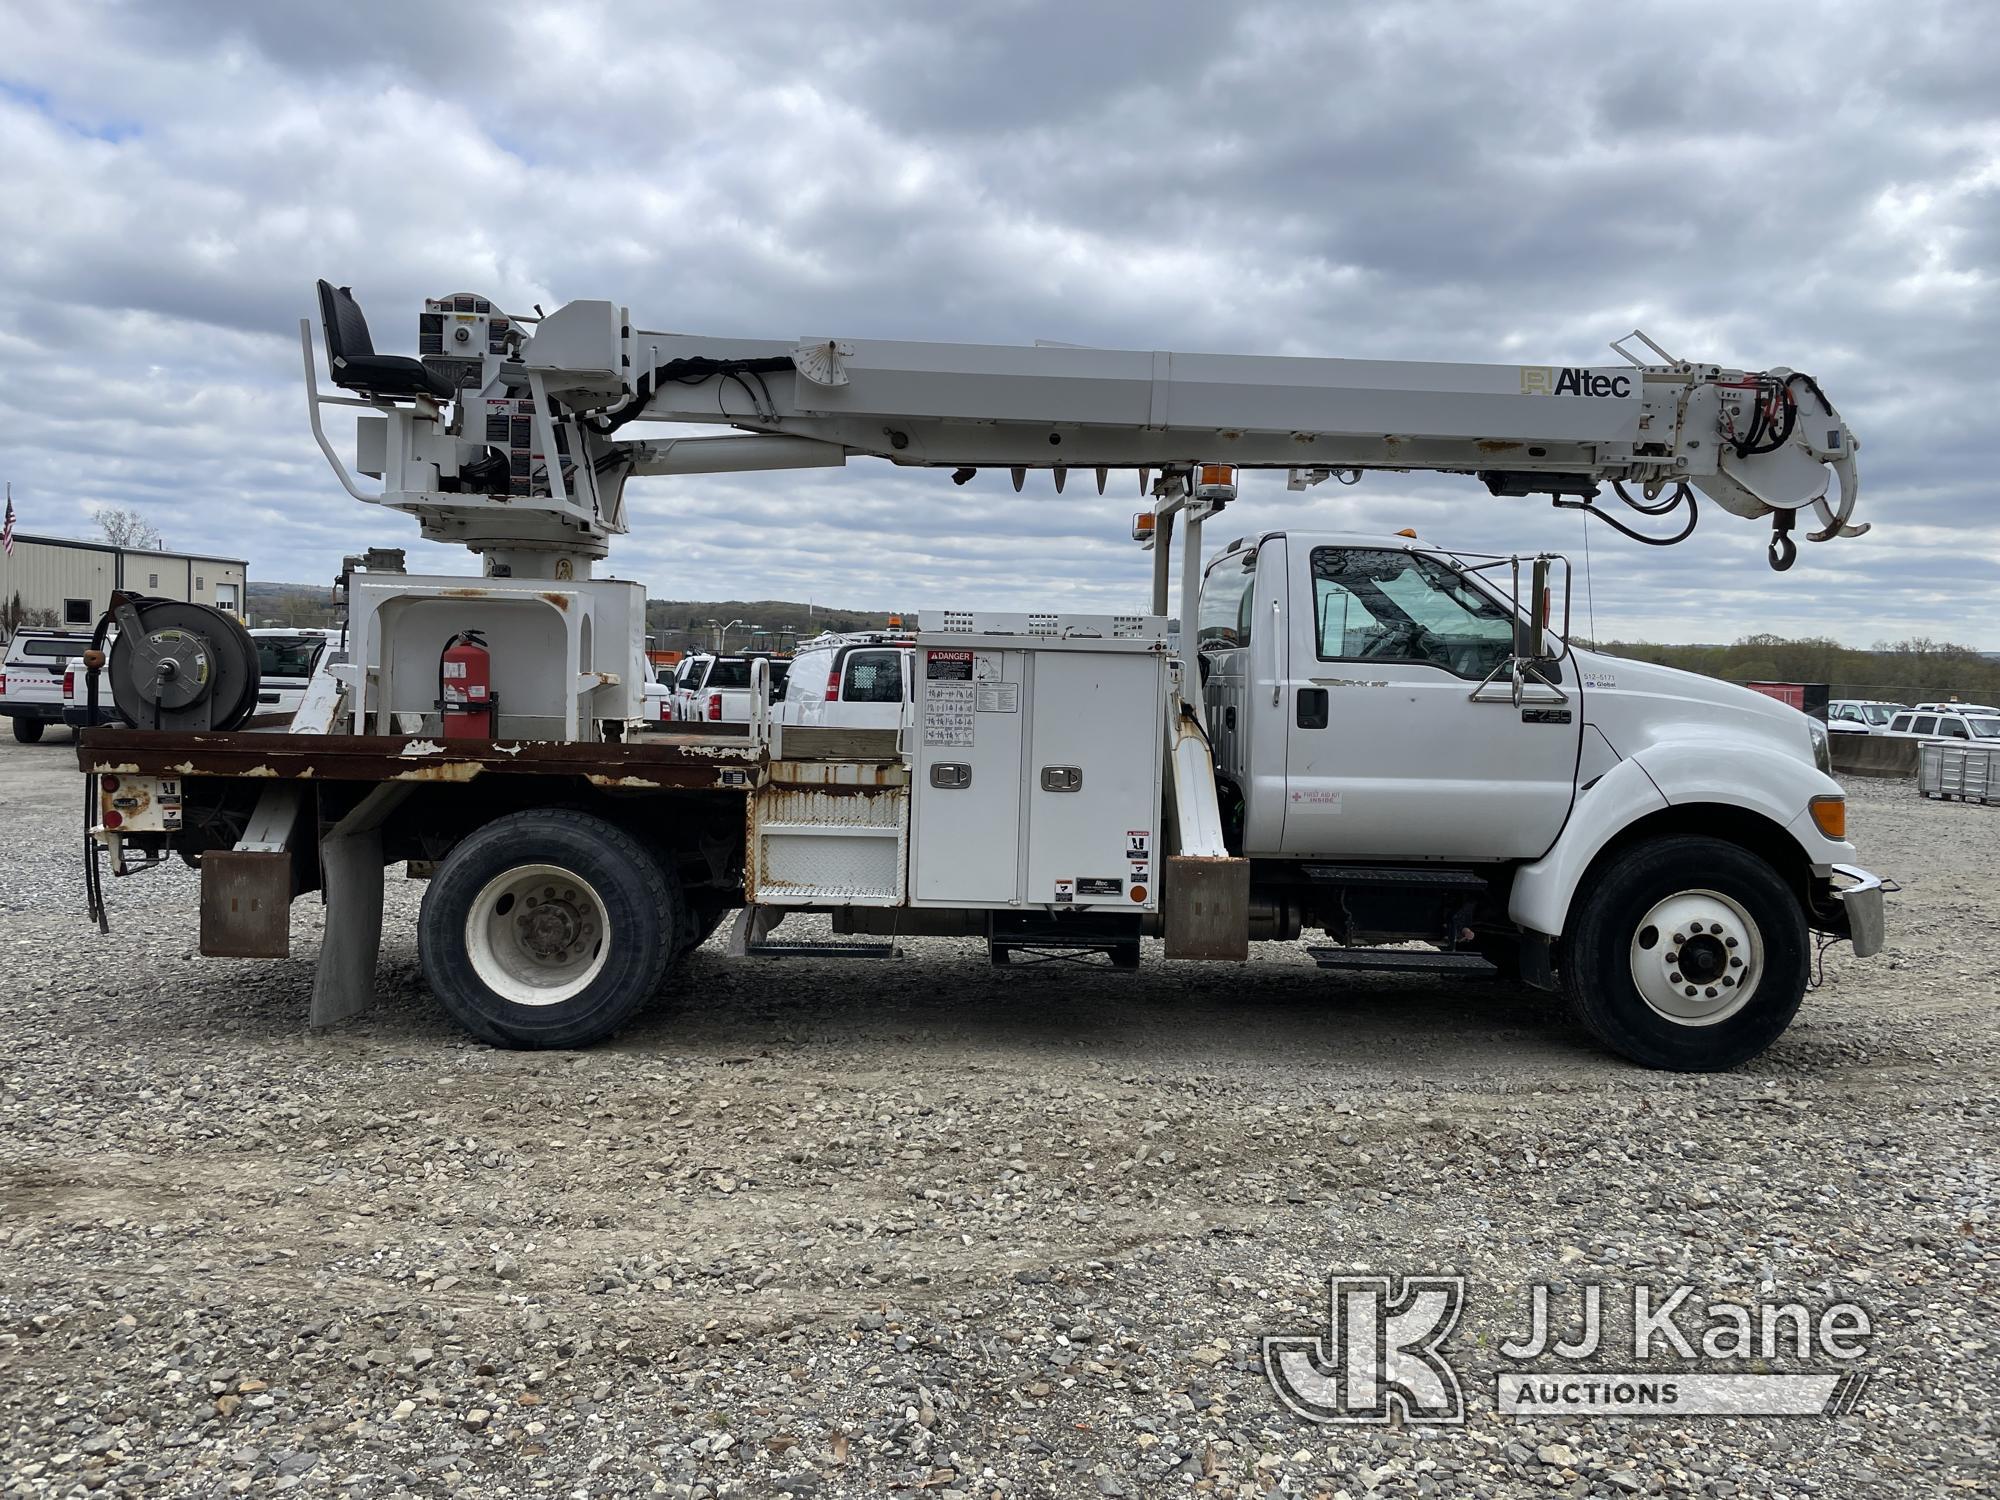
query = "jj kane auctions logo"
x=1383 y=1358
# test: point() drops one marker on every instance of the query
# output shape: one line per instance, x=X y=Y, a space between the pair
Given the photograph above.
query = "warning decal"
x=948 y=712
x=948 y=666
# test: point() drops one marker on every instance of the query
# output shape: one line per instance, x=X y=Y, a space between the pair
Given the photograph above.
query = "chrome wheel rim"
x=537 y=935
x=1697 y=958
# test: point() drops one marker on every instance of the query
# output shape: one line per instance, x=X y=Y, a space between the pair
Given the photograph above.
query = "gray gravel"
x=930 y=1229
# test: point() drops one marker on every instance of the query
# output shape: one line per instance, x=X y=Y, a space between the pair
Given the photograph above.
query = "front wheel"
x=548 y=929
x=27 y=731
x=1688 y=954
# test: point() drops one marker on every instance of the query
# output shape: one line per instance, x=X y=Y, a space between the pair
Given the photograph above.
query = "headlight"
x=1822 y=754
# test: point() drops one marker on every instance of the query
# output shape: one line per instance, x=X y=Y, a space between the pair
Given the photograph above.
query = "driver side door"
x=1388 y=754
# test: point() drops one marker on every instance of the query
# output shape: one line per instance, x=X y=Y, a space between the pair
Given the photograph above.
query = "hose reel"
x=181 y=666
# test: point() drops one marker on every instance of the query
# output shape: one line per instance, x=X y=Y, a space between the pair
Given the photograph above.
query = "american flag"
x=7 y=530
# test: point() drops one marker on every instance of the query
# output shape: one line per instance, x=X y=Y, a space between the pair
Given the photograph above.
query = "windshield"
x=1877 y=713
x=1985 y=729
x=288 y=655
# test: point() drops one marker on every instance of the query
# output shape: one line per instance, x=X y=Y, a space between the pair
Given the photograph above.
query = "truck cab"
x=1394 y=771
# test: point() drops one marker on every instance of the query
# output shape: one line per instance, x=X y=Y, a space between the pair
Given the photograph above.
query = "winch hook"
x=1784 y=551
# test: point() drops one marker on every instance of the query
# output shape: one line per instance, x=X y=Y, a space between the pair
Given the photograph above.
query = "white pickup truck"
x=31 y=679
x=715 y=690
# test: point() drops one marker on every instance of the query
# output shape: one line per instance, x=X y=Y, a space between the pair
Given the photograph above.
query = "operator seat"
x=356 y=365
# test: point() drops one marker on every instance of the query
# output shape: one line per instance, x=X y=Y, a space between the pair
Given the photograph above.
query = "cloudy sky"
x=1447 y=181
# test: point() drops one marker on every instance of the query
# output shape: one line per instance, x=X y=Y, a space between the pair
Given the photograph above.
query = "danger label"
x=948 y=666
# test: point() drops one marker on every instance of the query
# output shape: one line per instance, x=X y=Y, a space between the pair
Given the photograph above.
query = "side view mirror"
x=1531 y=635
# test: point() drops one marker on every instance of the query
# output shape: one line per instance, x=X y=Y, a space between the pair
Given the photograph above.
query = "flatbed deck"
x=684 y=761
x=673 y=759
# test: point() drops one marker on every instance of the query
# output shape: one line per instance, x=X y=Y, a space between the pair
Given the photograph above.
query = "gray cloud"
x=1422 y=181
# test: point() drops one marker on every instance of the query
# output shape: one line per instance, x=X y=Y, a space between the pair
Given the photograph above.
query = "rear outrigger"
x=1370 y=738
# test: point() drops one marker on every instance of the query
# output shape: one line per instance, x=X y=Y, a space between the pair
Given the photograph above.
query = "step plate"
x=1438 y=880
x=1403 y=961
x=825 y=950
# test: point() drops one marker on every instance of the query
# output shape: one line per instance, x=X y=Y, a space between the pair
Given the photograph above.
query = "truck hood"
x=1635 y=704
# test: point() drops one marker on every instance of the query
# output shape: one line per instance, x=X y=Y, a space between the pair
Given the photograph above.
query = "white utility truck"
x=1373 y=739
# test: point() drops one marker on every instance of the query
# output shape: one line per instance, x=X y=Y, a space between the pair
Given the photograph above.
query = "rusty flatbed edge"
x=683 y=763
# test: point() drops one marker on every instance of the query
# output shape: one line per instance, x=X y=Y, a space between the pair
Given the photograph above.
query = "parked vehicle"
x=659 y=695
x=716 y=690
x=31 y=679
x=1956 y=708
x=860 y=680
x=285 y=661
x=1369 y=737
x=1918 y=725
x=1862 y=715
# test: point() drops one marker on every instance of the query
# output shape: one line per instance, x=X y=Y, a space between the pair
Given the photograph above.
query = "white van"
x=857 y=681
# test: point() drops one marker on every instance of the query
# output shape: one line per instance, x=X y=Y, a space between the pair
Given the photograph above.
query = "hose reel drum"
x=181 y=666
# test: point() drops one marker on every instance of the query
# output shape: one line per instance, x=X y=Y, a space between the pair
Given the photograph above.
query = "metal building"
x=72 y=580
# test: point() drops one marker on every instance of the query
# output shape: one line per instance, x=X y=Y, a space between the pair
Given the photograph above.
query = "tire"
x=1629 y=985
x=28 y=731
x=548 y=985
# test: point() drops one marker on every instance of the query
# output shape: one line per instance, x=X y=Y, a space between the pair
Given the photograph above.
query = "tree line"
x=1906 y=671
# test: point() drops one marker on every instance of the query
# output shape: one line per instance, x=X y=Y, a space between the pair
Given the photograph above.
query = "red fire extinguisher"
x=466 y=701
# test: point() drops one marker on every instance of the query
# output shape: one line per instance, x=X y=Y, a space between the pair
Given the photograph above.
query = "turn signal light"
x=1829 y=815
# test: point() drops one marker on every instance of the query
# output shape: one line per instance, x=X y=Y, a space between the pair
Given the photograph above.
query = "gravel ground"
x=931 y=1229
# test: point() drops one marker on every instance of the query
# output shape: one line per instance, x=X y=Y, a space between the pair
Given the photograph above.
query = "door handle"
x=1062 y=778
x=1312 y=708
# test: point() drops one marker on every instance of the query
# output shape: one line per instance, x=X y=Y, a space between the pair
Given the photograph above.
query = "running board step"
x=1439 y=879
x=1403 y=961
x=825 y=950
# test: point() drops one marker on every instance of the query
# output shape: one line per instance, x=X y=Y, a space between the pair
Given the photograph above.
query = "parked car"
x=1918 y=725
x=1862 y=715
x=31 y=679
x=857 y=681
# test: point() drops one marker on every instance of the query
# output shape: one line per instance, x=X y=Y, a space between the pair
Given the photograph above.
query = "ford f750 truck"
x=1373 y=740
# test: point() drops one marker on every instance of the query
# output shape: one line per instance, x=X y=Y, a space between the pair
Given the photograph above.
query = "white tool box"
x=1038 y=746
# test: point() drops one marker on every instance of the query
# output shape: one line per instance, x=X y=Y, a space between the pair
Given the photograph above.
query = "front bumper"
x=1860 y=895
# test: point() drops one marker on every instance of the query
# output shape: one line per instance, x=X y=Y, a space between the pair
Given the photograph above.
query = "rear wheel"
x=548 y=929
x=1689 y=954
x=28 y=731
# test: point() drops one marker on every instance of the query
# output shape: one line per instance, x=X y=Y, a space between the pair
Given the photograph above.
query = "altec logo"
x=1547 y=380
